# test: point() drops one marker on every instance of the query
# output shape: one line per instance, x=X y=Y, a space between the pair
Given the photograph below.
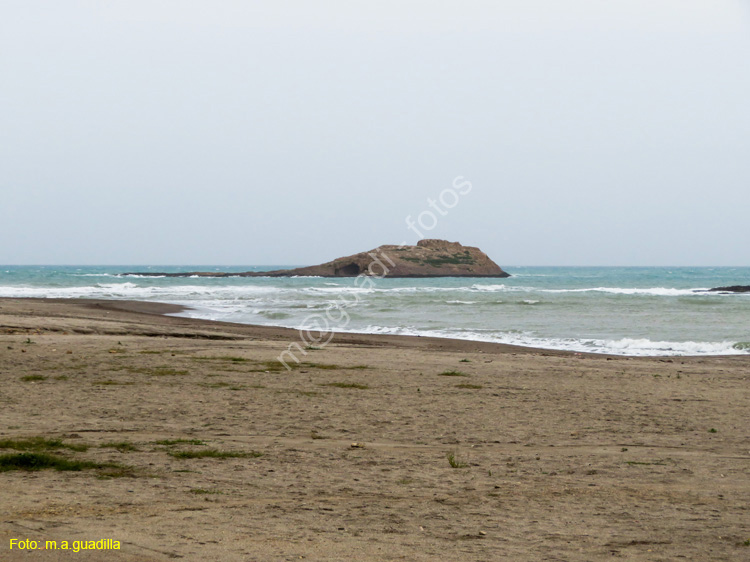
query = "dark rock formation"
x=732 y=289
x=429 y=258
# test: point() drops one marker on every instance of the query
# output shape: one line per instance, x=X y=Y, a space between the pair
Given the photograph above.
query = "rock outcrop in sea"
x=429 y=258
x=732 y=289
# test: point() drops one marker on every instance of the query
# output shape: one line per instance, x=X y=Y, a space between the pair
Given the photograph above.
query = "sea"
x=631 y=311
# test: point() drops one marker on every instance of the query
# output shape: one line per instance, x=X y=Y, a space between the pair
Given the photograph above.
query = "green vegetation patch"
x=274 y=367
x=44 y=461
x=300 y=392
x=33 y=378
x=220 y=384
x=278 y=366
x=172 y=442
x=440 y=261
x=453 y=373
x=229 y=358
x=122 y=446
x=39 y=444
x=160 y=371
x=470 y=386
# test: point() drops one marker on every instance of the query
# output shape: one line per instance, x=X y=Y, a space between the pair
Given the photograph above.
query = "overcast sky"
x=292 y=132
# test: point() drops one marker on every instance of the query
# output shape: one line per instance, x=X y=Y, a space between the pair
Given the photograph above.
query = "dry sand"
x=568 y=457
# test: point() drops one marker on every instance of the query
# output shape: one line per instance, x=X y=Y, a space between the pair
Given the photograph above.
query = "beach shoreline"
x=375 y=447
x=157 y=314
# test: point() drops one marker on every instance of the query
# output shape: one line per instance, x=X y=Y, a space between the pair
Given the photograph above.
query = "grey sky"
x=292 y=132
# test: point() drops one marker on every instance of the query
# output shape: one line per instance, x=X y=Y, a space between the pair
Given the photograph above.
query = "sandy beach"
x=202 y=447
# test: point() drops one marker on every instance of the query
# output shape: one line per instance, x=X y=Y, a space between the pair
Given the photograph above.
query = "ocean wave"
x=336 y=290
x=136 y=276
x=273 y=314
x=132 y=291
x=488 y=288
x=626 y=346
x=653 y=291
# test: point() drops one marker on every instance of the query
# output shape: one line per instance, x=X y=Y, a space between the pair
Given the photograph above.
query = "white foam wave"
x=133 y=291
x=624 y=346
x=488 y=288
x=653 y=291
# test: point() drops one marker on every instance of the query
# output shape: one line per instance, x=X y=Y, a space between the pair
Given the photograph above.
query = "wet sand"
x=557 y=456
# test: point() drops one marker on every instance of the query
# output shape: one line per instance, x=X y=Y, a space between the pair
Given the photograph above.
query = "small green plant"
x=33 y=378
x=28 y=341
x=61 y=378
x=313 y=348
x=215 y=454
x=121 y=446
x=464 y=361
x=713 y=430
x=172 y=442
x=746 y=543
x=470 y=386
x=454 y=462
x=347 y=385
x=453 y=373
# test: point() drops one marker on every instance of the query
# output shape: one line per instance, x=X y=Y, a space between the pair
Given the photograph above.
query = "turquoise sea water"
x=621 y=310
